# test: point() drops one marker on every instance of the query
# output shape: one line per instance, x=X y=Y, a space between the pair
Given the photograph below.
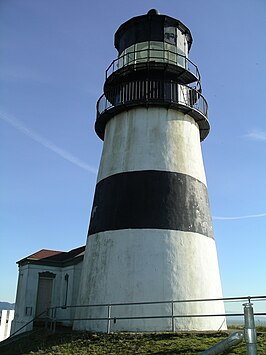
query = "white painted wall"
x=137 y=265
x=5 y=323
x=28 y=287
x=152 y=139
x=74 y=272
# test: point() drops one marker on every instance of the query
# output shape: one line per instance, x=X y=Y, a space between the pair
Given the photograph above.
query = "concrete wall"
x=5 y=323
x=149 y=264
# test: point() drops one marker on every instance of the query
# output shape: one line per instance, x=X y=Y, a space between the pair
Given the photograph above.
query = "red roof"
x=43 y=253
x=54 y=256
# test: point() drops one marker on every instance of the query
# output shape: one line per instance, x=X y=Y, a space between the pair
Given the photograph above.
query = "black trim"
x=151 y=70
x=149 y=27
x=46 y=262
x=151 y=199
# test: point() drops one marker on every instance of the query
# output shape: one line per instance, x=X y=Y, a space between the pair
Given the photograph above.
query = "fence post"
x=250 y=329
x=54 y=320
x=173 y=318
x=109 y=319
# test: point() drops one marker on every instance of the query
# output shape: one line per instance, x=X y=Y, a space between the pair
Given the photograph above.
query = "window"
x=170 y=35
x=142 y=51
x=157 y=51
x=28 y=311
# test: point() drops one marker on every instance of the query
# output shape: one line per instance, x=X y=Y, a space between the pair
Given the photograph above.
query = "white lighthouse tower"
x=150 y=237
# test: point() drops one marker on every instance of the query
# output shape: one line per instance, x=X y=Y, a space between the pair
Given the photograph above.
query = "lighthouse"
x=150 y=238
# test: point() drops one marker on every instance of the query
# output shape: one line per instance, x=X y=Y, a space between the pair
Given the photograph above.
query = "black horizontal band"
x=151 y=199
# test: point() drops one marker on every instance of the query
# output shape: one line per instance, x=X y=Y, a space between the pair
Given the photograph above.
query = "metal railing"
x=152 y=91
x=249 y=332
x=30 y=322
x=53 y=315
x=153 y=55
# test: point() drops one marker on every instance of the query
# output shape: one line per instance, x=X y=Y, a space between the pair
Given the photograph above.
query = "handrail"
x=150 y=54
x=151 y=91
x=29 y=322
x=249 y=324
x=243 y=298
x=249 y=298
x=171 y=315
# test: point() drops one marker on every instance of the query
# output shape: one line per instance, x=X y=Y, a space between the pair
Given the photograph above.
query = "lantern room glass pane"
x=157 y=51
x=142 y=51
x=153 y=51
x=181 y=58
x=170 y=53
x=130 y=55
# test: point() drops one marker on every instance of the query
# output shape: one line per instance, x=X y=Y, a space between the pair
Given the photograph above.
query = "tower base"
x=121 y=267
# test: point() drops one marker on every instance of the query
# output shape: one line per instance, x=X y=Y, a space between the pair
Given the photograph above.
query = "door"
x=44 y=295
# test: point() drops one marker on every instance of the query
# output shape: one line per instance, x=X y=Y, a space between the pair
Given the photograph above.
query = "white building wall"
x=7 y=317
x=73 y=272
x=25 y=308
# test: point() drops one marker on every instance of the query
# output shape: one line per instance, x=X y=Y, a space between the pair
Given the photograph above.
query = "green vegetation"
x=77 y=343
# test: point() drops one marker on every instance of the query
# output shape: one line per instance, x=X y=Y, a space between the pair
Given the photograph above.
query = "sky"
x=53 y=57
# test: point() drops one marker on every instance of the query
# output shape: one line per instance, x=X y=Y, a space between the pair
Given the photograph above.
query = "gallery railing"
x=149 y=55
x=152 y=92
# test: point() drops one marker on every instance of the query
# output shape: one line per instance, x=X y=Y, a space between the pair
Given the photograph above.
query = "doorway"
x=44 y=293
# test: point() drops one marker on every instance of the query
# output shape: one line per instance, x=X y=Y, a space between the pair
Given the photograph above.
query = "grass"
x=78 y=343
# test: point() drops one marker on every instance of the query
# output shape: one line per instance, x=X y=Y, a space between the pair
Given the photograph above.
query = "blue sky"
x=52 y=65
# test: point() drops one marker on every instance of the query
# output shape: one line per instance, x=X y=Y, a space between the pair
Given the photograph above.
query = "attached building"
x=46 y=278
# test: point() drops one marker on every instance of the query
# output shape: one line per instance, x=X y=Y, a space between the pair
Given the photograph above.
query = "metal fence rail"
x=249 y=332
x=54 y=318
